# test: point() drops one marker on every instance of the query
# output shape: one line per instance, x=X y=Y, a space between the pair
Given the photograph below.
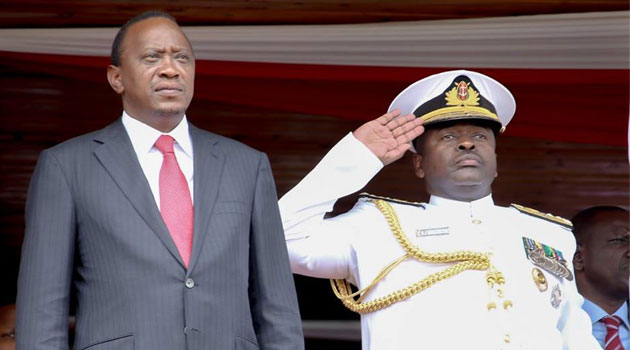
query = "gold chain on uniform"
x=468 y=260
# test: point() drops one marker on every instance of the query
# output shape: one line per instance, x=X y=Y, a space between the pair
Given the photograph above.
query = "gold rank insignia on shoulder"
x=391 y=200
x=545 y=216
x=547 y=258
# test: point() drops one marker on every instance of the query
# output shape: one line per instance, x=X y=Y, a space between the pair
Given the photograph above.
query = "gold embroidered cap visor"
x=457 y=95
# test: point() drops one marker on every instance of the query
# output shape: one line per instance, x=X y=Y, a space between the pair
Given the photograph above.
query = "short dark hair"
x=120 y=36
x=586 y=218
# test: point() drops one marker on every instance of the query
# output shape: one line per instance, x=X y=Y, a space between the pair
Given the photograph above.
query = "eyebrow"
x=163 y=48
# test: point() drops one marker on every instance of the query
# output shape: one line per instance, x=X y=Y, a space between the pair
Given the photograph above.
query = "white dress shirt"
x=599 y=328
x=452 y=313
x=143 y=139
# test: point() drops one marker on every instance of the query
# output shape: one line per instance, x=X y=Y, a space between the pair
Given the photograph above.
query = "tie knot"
x=164 y=144
x=612 y=321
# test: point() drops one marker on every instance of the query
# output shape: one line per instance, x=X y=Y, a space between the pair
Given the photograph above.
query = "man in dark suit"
x=170 y=234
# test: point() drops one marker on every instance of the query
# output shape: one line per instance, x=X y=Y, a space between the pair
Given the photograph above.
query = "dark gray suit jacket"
x=92 y=221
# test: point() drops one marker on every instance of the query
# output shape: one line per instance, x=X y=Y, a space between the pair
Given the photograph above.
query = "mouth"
x=468 y=160
x=168 y=89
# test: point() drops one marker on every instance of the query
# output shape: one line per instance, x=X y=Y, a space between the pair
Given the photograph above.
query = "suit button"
x=189 y=283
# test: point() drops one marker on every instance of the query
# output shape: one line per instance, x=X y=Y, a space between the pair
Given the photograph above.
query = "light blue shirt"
x=599 y=328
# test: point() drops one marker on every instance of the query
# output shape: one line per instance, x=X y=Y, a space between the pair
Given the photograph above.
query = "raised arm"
x=388 y=136
x=322 y=248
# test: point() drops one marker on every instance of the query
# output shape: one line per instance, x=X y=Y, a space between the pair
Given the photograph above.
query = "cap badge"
x=462 y=95
x=547 y=258
x=462 y=90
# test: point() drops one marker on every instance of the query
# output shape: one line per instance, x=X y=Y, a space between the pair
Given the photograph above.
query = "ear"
x=496 y=172
x=578 y=259
x=114 y=78
x=417 y=165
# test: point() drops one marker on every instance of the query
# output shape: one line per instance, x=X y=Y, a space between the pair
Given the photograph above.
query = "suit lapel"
x=117 y=156
x=208 y=168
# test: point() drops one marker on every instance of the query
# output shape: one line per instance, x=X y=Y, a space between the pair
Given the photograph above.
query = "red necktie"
x=612 y=341
x=175 y=202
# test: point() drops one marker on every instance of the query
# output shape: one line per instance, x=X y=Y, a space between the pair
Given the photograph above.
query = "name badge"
x=437 y=231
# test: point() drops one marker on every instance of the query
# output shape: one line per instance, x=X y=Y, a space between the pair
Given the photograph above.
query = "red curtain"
x=572 y=105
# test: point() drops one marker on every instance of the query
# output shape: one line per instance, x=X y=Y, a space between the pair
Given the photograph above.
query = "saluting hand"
x=388 y=136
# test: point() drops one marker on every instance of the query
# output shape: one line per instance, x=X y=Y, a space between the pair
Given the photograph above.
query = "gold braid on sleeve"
x=465 y=260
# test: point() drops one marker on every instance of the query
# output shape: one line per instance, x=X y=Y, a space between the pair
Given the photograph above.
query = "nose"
x=466 y=144
x=169 y=68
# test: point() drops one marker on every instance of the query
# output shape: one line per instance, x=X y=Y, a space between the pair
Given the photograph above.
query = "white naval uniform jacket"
x=452 y=314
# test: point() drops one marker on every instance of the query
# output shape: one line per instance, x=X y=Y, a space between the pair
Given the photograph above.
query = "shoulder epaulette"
x=546 y=216
x=392 y=200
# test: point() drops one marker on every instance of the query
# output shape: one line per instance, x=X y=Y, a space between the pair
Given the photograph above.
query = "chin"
x=171 y=111
x=467 y=182
x=472 y=177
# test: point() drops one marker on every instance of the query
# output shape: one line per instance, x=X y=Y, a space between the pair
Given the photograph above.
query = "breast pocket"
x=244 y=344
x=121 y=343
x=230 y=219
x=227 y=207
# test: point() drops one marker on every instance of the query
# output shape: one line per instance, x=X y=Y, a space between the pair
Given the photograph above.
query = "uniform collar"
x=474 y=208
x=143 y=136
x=596 y=313
x=486 y=202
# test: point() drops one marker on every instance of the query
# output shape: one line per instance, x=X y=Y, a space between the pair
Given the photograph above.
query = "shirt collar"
x=143 y=136
x=596 y=313
x=622 y=312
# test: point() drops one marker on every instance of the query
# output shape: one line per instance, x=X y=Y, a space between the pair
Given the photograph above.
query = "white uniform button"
x=189 y=283
x=476 y=221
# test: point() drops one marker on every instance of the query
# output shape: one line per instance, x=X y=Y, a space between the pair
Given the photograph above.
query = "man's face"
x=605 y=253
x=157 y=69
x=457 y=161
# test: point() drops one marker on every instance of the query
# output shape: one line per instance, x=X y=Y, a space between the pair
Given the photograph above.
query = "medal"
x=556 y=296
x=547 y=258
x=539 y=279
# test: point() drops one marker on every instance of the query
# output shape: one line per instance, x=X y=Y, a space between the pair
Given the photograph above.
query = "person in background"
x=602 y=271
x=7 y=327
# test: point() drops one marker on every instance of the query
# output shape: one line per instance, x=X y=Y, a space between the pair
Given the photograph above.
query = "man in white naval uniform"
x=501 y=280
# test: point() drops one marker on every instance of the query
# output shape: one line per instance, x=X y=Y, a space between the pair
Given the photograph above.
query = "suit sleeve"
x=47 y=260
x=272 y=291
